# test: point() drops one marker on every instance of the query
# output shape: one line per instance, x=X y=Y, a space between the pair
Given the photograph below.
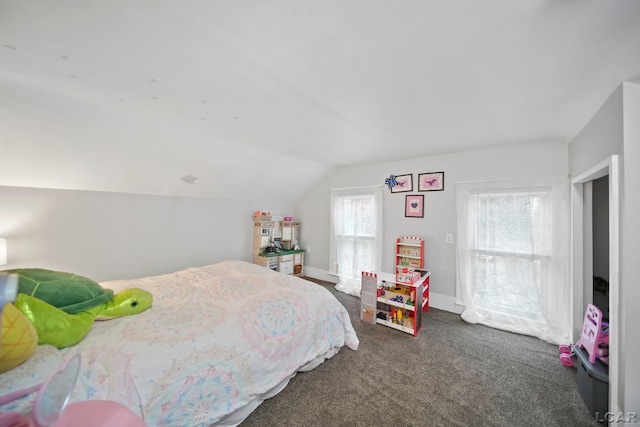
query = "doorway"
x=587 y=257
x=600 y=230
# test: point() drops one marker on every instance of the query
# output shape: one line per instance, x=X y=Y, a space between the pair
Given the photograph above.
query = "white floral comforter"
x=216 y=339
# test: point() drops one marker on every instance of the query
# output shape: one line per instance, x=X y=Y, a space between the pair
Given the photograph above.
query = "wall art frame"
x=431 y=181
x=404 y=183
x=414 y=206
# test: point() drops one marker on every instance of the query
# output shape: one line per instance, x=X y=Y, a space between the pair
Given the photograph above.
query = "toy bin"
x=593 y=384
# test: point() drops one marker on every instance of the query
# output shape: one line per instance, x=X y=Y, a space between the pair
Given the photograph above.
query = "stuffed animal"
x=63 y=306
x=19 y=339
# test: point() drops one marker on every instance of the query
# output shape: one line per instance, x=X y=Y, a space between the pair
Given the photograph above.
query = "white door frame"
x=582 y=260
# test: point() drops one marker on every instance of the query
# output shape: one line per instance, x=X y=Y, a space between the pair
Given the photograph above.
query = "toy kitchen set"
x=276 y=243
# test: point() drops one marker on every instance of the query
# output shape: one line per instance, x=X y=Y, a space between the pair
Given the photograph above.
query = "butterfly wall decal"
x=391 y=181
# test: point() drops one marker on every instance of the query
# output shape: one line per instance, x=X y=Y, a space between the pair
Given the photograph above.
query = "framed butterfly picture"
x=414 y=206
x=431 y=181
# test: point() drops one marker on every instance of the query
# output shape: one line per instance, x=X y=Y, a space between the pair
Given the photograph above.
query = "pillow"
x=18 y=340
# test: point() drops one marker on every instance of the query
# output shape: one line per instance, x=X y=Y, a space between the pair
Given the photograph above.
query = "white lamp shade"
x=3 y=251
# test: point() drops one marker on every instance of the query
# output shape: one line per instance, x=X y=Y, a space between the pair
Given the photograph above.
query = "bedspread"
x=216 y=339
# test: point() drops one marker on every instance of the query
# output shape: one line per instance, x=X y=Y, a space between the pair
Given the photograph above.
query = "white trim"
x=577 y=255
x=320 y=274
x=597 y=171
x=614 y=279
x=609 y=167
x=444 y=302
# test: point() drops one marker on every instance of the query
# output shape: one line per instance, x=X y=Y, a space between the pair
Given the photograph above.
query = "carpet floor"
x=452 y=374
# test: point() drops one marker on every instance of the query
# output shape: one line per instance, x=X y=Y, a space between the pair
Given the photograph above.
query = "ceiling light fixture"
x=189 y=179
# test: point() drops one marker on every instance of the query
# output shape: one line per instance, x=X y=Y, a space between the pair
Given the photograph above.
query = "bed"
x=218 y=341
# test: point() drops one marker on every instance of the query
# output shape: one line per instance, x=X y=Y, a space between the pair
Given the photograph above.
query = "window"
x=356 y=235
x=513 y=253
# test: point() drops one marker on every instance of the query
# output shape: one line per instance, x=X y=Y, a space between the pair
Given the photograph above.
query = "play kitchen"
x=276 y=243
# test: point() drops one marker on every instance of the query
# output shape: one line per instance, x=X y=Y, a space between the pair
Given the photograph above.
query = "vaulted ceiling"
x=252 y=97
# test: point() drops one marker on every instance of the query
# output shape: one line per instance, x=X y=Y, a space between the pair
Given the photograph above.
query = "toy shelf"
x=403 y=328
x=425 y=289
x=373 y=304
x=423 y=283
x=386 y=299
x=409 y=252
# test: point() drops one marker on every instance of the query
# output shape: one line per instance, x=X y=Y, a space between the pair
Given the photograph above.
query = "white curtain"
x=356 y=235
x=513 y=255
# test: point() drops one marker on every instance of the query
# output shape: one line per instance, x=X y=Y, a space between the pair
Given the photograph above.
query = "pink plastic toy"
x=594 y=339
x=50 y=407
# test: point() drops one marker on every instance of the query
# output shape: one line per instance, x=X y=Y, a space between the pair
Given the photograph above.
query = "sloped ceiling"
x=262 y=98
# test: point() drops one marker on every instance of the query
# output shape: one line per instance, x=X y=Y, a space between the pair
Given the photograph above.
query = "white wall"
x=535 y=159
x=600 y=138
x=109 y=236
x=630 y=236
x=615 y=129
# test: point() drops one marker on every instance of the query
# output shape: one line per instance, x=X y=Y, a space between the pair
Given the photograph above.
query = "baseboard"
x=444 y=302
x=439 y=301
x=320 y=274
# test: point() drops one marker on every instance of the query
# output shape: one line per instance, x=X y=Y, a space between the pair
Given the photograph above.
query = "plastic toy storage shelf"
x=394 y=300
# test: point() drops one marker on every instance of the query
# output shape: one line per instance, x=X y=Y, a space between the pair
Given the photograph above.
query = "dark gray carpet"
x=452 y=374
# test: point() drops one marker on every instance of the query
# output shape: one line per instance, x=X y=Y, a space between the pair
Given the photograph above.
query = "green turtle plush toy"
x=63 y=306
